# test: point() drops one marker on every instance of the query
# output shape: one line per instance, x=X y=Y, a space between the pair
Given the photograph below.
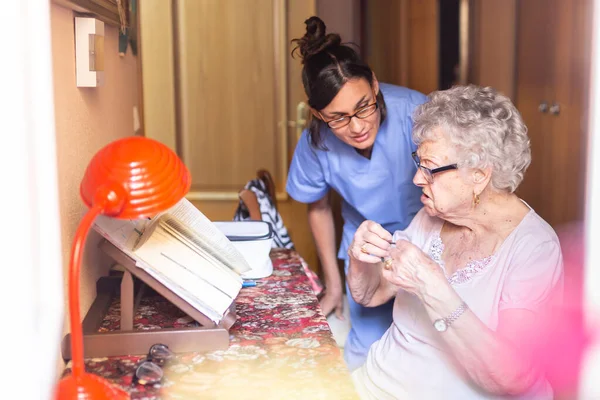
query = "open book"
x=184 y=251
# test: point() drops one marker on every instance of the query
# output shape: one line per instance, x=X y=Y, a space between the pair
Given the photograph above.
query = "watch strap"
x=456 y=313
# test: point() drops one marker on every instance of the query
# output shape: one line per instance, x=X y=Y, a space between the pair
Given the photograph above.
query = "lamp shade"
x=147 y=177
x=131 y=178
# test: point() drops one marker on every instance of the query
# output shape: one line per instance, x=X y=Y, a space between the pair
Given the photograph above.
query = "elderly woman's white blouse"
x=410 y=362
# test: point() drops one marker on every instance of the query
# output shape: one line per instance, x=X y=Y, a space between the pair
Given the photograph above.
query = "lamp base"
x=88 y=387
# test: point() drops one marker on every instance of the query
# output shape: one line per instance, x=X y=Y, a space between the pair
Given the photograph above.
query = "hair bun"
x=315 y=40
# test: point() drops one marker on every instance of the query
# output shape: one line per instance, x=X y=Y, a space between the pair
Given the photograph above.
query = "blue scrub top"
x=379 y=189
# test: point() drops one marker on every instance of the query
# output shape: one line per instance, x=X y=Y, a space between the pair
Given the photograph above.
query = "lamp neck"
x=86 y=223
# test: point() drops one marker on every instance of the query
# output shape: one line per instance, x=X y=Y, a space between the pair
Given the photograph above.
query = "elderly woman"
x=472 y=274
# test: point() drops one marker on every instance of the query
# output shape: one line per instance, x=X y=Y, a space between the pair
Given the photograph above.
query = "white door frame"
x=32 y=290
x=590 y=386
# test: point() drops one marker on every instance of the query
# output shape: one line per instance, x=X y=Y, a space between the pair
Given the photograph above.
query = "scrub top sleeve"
x=537 y=274
x=306 y=179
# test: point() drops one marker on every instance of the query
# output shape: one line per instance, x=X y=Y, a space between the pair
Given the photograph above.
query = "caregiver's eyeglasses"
x=149 y=371
x=363 y=113
x=428 y=172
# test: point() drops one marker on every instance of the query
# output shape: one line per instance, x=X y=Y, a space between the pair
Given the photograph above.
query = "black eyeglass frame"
x=428 y=171
x=352 y=116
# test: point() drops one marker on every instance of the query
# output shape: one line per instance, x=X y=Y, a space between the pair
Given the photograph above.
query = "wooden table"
x=281 y=346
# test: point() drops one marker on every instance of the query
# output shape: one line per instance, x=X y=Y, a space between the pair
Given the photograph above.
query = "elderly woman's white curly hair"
x=485 y=127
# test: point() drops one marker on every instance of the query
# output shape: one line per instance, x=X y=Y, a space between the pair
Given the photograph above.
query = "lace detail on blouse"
x=464 y=274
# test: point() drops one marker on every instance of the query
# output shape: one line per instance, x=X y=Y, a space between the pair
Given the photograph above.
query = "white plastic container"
x=253 y=239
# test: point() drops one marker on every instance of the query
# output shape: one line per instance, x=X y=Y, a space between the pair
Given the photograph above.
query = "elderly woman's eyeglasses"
x=428 y=172
x=363 y=113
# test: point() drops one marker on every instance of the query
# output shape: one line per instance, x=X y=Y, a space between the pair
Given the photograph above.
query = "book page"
x=199 y=245
x=185 y=295
x=123 y=233
x=187 y=263
x=187 y=213
x=190 y=284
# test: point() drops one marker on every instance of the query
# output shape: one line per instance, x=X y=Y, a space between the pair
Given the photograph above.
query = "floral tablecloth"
x=281 y=346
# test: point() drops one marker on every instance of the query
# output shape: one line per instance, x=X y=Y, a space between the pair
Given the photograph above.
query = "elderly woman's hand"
x=371 y=243
x=415 y=272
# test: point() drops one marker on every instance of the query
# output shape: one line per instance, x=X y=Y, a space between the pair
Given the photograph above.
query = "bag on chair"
x=268 y=212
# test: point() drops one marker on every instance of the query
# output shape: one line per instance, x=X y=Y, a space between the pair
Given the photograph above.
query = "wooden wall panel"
x=403 y=42
x=534 y=55
x=423 y=52
x=554 y=44
x=158 y=75
x=493 y=44
x=569 y=76
x=227 y=92
x=384 y=51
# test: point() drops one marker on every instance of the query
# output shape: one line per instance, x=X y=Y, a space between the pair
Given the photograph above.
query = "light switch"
x=89 y=51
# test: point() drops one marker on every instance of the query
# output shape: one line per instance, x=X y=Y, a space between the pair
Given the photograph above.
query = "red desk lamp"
x=135 y=177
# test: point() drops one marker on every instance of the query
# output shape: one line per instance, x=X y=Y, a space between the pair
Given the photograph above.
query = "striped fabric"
x=269 y=213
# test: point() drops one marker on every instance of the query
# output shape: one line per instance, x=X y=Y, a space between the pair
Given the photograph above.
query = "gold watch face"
x=440 y=325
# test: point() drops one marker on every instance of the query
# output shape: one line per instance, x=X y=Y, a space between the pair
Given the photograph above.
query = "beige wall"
x=86 y=120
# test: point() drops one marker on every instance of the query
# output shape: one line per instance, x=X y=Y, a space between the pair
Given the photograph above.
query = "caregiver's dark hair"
x=327 y=66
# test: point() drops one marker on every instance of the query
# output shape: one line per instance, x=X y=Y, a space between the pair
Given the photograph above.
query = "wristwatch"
x=442 y=324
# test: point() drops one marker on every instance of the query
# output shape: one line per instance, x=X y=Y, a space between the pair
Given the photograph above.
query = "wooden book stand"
x=128 y=341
